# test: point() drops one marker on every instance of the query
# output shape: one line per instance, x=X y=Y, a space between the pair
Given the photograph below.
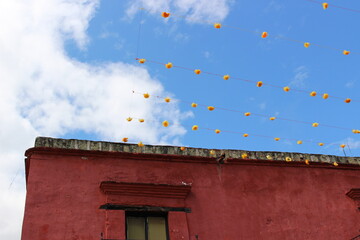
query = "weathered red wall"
x=228 y=202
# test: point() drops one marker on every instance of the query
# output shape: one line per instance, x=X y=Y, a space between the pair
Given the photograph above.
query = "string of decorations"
x=258 y=84
x=244 y=154
x=265 y=34
x=325 y=6
x=247 y=114
x=166 y=123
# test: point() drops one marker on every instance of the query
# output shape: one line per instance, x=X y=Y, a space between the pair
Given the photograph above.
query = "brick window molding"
x=125 y=196
x=354 y=194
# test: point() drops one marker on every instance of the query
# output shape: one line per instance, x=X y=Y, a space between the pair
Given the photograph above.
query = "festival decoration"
x=315 y=124
x=217 y=131
x=258 y=83
x=226 y=77
x=217 y=25
x=325 y=5
x=169 y=65
x=272 y=118
x=165 y=14
x=165 y=123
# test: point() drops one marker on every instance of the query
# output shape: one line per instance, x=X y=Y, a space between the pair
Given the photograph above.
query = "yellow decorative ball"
x=165 y=123
x=217 y=25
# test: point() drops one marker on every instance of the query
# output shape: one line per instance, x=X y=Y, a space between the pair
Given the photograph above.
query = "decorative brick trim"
x=146 y=190
x=354 y=194
x=110 y=206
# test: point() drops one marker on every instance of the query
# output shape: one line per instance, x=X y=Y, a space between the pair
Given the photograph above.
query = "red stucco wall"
x=228 y=202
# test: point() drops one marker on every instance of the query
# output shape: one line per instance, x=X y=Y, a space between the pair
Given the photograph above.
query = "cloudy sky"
x=68 y=70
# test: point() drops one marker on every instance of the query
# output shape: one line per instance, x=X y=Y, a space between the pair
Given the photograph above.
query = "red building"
x=86 y=190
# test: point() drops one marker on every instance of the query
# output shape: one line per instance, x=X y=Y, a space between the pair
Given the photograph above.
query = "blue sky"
x=114 y=37
x=68 y=68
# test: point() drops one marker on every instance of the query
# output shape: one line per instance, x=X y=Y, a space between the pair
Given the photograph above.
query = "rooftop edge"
x=87 y=145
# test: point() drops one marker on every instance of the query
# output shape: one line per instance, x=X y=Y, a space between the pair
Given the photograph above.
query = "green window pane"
x=135 y=228
x=156 y=228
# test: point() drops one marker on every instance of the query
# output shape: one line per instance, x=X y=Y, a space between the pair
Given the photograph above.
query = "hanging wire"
x=335 y=6
x=270 y=117
x=13 y=180
x=261 y=33
x=139 y=34
x=264 y=35
x=244 y=134
x=137 y=54
x=230 y=77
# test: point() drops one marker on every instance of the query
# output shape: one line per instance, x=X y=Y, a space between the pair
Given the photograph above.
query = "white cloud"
x=195 y=10
x=181 y=37
x=45 y=92
x=352 y=143
x=273 y=5
x=262 y=105
x=350 y=84
x=301 y=74
x=206 y=54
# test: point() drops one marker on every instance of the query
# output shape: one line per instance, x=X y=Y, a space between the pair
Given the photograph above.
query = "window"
x=146 y=226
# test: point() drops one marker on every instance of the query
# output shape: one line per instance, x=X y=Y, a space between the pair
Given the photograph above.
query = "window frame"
x=147 y=214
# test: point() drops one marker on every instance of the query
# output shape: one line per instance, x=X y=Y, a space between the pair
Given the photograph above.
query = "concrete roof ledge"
x=76 y=144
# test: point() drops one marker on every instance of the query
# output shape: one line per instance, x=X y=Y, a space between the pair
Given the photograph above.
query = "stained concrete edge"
x=88 y=145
